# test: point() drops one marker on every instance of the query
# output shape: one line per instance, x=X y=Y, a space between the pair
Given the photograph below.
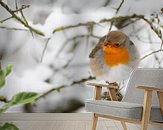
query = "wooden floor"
x=52 y=121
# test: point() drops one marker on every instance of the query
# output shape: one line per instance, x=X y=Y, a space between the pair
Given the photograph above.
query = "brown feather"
x=97 y=47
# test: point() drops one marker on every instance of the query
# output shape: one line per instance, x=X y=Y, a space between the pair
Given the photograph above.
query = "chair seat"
x=125 y=110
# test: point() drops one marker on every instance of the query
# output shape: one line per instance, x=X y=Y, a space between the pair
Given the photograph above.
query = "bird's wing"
x=97 y=47
x=134 y=53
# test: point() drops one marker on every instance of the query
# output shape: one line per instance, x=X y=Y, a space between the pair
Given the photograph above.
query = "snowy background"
x=66 y=58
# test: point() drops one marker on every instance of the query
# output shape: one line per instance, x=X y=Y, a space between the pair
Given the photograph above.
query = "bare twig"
x=14 y=29
x=83 y=80
x=119 y=6
x=21 y=11
x=16 y=4
x=155 y=55
x=144 y=57
x=4 y=20
x=22 y=14
x=82 y=36
x=114 y=19
x=131 y=22
x=150 y=54
x=44 y=50
x=74 y=26
x=117 y=10
x=22 y=8
x=160 y=32
x=75 y=38
x=106 y=3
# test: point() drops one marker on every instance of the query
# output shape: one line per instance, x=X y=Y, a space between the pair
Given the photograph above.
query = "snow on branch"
x=22 y=21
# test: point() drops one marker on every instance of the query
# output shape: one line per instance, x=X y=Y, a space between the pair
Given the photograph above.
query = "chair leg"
x=146 y=110
x=124 y=125
x=144 y=126
x=94 y=122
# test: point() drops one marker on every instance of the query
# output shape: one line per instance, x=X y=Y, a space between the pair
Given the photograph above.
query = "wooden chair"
x=138 y=107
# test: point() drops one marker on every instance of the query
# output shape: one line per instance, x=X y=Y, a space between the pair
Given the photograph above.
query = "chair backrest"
x=148 y=77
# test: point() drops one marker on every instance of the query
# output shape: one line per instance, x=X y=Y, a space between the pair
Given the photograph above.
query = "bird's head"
x=115 y=40
x=115 y=48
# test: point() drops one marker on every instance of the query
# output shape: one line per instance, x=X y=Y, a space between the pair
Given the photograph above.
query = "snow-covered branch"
x=22 y=21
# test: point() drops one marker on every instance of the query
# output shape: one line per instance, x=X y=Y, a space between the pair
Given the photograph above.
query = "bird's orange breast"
x=116 y=55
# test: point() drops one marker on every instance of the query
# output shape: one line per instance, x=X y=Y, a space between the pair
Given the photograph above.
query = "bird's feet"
x=113 y=84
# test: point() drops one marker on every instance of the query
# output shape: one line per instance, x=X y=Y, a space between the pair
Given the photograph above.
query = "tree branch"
x=119 y=6
x=22 y=8
x=156 y=30
x=114 y=19
x=5 y=6
x=49 y=91
x=150 y=54
x=44 y=50
x=83 y=80
x=63 y=86
x=3 y=99
x=15 y=29
x=74 y=26
x=4 y=20
x=117 y=10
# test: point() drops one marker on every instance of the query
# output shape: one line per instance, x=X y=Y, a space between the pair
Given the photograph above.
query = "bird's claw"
x=112 y=84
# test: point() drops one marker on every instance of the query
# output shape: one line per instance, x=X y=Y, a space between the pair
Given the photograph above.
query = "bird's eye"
x=117 y=44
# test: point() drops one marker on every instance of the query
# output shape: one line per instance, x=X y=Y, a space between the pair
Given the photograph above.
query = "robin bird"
x=114 y=57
